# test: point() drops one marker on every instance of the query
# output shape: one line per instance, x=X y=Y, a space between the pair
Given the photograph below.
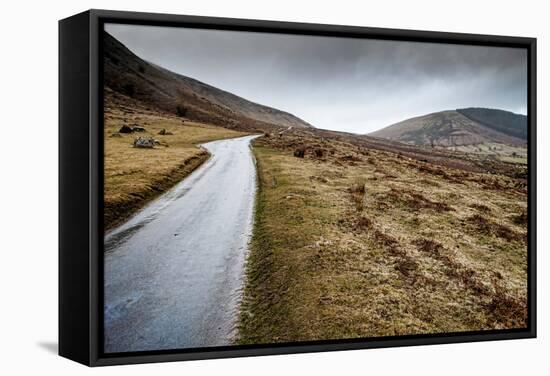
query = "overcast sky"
x=353 y=85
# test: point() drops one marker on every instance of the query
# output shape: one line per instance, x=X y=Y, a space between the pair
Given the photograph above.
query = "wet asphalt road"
x=173 y=273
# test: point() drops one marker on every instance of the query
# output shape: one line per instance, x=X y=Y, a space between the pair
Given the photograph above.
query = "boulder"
x=164 y=132
x=144 y=142
x=137 y=128
x=125 y=129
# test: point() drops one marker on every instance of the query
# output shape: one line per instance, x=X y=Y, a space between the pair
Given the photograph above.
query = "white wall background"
x=28 y=185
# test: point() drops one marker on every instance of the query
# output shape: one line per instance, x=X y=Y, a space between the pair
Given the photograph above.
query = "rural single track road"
x=173 y=274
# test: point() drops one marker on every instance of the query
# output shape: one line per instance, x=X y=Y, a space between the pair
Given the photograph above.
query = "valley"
x=419 y=227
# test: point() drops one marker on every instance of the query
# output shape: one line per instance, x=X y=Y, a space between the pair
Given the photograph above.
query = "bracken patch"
x=415 y=200
x=486 y=226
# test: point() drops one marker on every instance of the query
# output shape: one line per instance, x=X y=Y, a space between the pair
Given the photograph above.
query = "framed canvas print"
x=238 y=187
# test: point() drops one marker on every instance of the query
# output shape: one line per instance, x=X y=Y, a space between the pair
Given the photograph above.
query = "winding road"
x=173 y=274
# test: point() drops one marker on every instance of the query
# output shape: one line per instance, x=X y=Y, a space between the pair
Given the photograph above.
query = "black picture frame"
x=81 y=185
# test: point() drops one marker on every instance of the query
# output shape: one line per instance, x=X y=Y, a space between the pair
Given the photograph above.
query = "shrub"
x=358 y=192
x=181 y=111
x=428 y=246
x=300 y=152
x=364 y=222
x=358 y=185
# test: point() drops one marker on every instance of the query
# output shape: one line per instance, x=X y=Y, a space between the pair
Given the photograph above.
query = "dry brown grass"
x=481 y=207
x=357 y=191
x=134 y=176
x=380 y=245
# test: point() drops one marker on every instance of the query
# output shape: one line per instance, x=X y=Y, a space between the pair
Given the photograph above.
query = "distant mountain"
x=129 y=75
x=506 y=122
x=468 y=126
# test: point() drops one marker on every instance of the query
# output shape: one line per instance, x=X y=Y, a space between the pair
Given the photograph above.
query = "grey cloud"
x=353 y=85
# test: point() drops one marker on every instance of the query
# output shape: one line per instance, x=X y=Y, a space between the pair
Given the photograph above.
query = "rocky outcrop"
x=144 y=142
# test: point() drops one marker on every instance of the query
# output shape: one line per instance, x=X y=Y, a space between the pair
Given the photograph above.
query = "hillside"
x=355 y=239
x=127 y=74
x=455 y=128
x=502 y=121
